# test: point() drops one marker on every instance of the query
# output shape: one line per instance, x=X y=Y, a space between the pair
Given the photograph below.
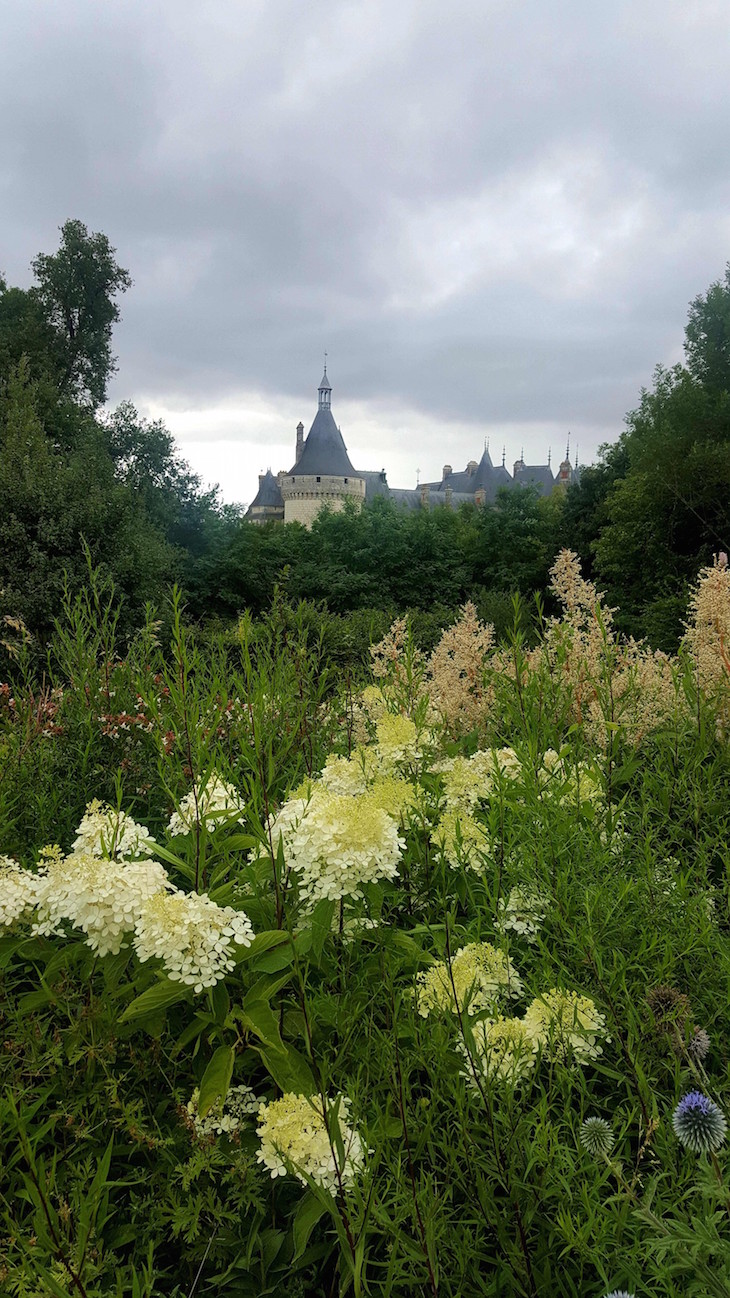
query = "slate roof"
x=536 y=475
x=268 y=495
x=324 y=450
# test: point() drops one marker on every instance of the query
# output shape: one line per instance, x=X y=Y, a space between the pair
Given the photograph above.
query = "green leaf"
x=321 y=923
x=262 y=943
x=309 y=1212
x=259 y=1017
x=216 y=1079
x=33 y=1001
x=289 y=1069
x=240 y=843
x=158 y=997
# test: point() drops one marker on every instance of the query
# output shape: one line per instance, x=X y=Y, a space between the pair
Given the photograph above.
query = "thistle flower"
x=596 y=1136
x=669 y=1006
x=481 y=975
x=295 y=1139
x=698 y=1123
x=698 y=1044
x=620 y=1293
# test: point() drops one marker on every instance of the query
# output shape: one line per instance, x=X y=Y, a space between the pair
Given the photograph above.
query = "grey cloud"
x=491 y=214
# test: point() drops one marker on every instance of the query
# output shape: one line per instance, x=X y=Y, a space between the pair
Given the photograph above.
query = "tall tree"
x=707 y=337
x=77 y=287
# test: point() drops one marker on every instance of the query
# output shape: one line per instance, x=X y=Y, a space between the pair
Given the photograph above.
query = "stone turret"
x=322 y=472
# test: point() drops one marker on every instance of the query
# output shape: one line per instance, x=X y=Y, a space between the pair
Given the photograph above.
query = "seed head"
x=698 y=1044
x=596 y=1136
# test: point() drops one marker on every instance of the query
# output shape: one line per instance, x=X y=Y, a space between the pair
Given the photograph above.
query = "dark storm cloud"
x=491 y=213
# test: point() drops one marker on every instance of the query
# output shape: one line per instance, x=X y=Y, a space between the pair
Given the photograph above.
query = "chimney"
x=424 y=495
x=447 y=471
x=449 y=495
x=300 y=442
x=472 y=467
x=480 y=496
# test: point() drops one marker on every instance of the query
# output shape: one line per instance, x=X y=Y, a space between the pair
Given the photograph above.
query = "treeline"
x=76 y=485
x=73 y=483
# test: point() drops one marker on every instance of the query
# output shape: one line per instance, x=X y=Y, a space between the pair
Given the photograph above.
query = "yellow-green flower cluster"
x=480 y=977
x=564 y=1023
x=463 y=841
x=502 y=1050
x=295 y=1140
x=17 y=891
x=396 y=740
x=335 y=843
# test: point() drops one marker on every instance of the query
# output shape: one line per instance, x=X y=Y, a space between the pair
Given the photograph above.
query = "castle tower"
x=322 y=473
x=565 y=472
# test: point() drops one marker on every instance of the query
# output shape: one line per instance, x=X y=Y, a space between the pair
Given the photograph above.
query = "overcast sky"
x=491 y=213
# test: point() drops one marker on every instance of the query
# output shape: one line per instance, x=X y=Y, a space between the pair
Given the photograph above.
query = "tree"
x=76 y=288
x=707 y=336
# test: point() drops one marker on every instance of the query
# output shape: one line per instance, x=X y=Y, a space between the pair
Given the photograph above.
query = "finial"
x=486 y=446
x=504 y=455
x=522 y=455
x=418 y=477
x=567 y=450
x=550 y=452
x=325 y=364
x=576 y=455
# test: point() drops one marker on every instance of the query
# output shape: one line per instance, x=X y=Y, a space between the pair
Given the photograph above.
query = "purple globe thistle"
x=698 y=1123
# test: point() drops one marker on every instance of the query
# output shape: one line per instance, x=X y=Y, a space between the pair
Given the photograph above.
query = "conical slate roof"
x=324 y=450
x=268 y=495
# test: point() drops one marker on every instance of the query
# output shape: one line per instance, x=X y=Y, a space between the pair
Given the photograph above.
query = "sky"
x=492 y=214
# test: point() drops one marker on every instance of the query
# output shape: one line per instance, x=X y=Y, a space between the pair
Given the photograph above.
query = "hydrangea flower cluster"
x=211 y=800
x=109 y=900
x=565 y=1023
x=295 y=1139
x=226 y=1116
x=523 y=912
x=335 y=844
x=193 y=937
x=17 y=891
x=397 y=740
x=106 y=831
x=463 y=840
x=503 y=1050
x=101 y=898
x=480 y=975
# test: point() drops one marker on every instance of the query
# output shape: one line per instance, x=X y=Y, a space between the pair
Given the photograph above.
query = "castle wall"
x=305 y=496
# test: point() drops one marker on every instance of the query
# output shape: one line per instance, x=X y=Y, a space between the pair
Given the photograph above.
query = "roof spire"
x=567 y=450
x=550 y=453
x=504 y=455
x=325 y=389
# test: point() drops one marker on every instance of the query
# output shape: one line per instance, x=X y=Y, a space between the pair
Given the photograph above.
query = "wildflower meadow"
x=403 y=977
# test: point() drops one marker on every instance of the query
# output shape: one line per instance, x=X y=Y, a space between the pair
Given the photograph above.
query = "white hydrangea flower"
x=18 y=890
x=397 y=740
x=523 y=912
x=226 y=1117
x=102 y=898
x=463 y=840
x=503 y=1051
x=348 y=776
x=105 y=831
x=565 y=1023
x=192 y=936
x=215 y=800
x=335 y=844
x=481 y=975
x=294 y=1139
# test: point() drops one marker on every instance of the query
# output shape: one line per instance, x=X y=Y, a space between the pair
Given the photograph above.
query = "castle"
x=322 y=473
